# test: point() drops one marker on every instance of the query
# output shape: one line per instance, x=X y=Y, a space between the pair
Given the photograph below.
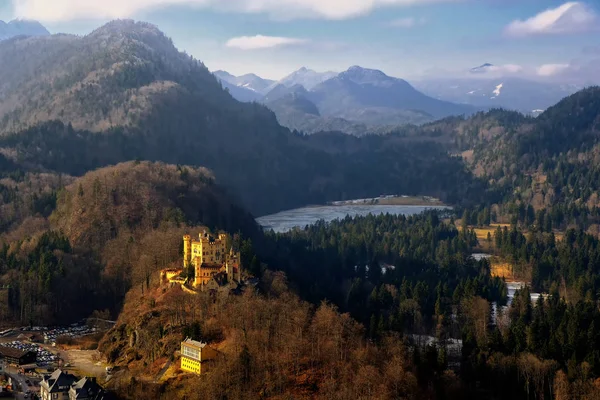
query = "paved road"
x=19 y=384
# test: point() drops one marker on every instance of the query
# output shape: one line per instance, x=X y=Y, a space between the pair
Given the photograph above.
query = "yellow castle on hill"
x=210 y=259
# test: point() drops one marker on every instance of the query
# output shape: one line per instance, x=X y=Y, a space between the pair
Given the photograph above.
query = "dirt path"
x=163 y=370
x=85 y=362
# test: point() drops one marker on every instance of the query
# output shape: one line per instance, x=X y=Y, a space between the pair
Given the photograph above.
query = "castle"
x=211 y=260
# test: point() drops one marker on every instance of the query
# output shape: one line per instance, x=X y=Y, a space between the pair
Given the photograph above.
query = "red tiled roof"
x=211 y=266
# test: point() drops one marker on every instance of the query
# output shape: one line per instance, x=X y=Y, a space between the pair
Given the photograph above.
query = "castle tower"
x=223 y=245
x=187 y=251
x=233 y=267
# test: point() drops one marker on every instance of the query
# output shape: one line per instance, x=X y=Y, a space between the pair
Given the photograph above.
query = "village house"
x=195 y=355
x=87 y=389
x=17 y=357
x=56 y=386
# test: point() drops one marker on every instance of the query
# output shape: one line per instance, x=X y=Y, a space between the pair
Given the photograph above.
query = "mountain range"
x=19 y=27
x=358 y=100
x=363 y=101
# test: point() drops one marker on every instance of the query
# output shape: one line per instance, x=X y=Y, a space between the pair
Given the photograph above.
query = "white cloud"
x=65 y=10
x=408 y=22
x=571 y=17
x=262 y=42
x=506 y=69
x=552 y=69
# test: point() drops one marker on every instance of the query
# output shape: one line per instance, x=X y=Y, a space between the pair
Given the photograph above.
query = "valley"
x=205 y=219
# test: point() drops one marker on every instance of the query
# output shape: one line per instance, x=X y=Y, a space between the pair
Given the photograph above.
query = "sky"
x=541 y=39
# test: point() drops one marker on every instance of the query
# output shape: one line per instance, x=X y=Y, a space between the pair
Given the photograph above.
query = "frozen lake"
x=300 y=217
x=514 y=286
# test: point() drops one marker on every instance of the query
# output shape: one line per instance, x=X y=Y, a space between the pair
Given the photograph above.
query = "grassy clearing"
x=501 y=269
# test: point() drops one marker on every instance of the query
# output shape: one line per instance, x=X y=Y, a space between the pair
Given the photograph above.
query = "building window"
x=191 y=352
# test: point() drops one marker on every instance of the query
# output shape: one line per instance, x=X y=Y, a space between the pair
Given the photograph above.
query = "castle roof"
x=211 y=266
x=194 y=343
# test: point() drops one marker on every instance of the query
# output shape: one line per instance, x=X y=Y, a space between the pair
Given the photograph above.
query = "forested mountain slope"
x=267 y=175
x=124 y=92
x=551 y=161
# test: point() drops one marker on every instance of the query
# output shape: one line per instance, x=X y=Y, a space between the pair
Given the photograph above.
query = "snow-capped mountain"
x=249 y=81
x=375 y=77
x=305 y=77
x=19 y=27
x=357 y=95
x=482 y=68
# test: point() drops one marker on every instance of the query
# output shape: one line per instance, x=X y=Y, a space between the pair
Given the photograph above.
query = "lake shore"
x=301 y=217
x=391 y=201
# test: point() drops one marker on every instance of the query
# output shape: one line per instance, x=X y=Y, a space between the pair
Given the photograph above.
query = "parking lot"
x=73 y=332
x=44 y=357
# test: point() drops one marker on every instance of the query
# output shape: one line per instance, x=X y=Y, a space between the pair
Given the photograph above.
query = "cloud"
x=262 y=42
x=506 y=69
x=66 y=10
x=408 y=22
x=571 y=17
x=583 y=71
x=552 y=69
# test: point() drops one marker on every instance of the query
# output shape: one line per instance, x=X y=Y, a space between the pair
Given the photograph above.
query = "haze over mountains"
x=20 y=27
x=510 y=92
x=368 y=100
x=356 y=99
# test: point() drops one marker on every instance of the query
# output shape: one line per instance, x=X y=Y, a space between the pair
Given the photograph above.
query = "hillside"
x=571 y=125
x=546 y=164
x=267 y=175
x=112 y=77
x=271 y=344
x=104 y=231
x=134 y=197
